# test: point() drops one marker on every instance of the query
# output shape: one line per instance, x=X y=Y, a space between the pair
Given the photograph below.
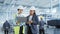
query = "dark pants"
x=5 y=31
x=21 y=30
x=41 y=31
x=29 y=30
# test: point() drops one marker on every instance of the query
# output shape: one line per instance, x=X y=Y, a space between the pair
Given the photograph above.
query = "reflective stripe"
x=23 y=29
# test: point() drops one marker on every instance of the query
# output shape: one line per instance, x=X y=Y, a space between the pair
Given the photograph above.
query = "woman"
x=32 y=21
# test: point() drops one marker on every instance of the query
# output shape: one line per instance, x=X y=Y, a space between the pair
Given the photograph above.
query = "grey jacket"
x=6 y=25
x=41 y=24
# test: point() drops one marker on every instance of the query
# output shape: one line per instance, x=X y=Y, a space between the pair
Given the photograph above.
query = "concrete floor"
x=47 y=31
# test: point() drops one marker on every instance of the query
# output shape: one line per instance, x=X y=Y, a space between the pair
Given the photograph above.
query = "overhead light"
x=53 y=11
x=48 y=11
x=54 y=0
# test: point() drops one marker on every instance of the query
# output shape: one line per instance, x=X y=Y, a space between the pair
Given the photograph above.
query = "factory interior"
x=48 y=9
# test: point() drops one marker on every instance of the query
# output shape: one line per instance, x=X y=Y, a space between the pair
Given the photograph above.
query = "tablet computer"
x=22 y=19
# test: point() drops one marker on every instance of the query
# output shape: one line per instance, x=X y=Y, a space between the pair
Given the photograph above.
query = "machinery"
x=54 y=22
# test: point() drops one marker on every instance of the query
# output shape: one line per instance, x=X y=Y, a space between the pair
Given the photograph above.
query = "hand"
x=17 y=22
x=28 y=22
x=31 y=21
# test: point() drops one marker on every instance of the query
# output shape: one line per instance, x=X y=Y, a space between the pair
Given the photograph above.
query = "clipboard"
x=22 y=19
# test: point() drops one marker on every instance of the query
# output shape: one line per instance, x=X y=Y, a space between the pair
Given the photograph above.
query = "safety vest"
x=17 y=28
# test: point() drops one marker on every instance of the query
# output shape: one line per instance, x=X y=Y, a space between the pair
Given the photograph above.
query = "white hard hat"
x=20 y=7
x=32 y=8
x=6 y=19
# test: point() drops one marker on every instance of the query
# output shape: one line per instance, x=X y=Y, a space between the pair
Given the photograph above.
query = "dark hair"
x=34 y=13
x=18 y=9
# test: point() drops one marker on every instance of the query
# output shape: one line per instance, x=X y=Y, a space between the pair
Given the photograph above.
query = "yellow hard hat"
x=41 y=16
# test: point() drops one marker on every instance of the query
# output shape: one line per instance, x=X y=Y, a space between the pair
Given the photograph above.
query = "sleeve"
x=26 y=20
x=15 y=17
x=9 y=25
x=4 y=25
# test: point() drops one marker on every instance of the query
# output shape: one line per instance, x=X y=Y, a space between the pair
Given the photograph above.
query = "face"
x=20 y=11
x=32 y=12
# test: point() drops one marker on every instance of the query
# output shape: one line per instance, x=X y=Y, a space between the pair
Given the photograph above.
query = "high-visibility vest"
x=23 y=29
x=17 y=27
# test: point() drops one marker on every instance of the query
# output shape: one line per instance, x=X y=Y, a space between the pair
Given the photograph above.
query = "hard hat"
x=20 y=7
x=32 y=8
x=6 y=19
x=41 y=16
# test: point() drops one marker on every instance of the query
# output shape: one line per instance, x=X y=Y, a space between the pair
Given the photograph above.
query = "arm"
x=27 y=20
x=9 y=25
x=3 y=26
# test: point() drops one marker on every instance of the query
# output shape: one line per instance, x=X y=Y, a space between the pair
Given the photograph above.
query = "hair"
x=18 y=9
x=34 y=12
